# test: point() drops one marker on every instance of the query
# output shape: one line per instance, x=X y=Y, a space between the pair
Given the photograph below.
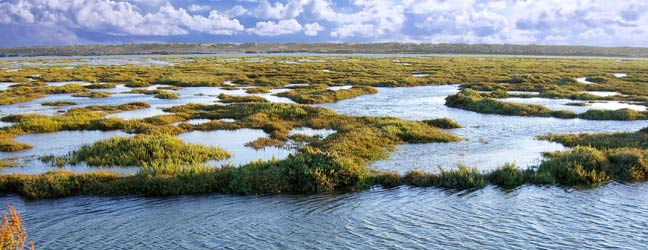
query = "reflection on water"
x=402 y=218
x=234 y=141
x=489 y=140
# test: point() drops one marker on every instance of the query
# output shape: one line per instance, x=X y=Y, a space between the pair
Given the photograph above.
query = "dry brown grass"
x=13 y=234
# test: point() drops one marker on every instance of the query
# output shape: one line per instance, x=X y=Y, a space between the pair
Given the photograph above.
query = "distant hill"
x=390 y=48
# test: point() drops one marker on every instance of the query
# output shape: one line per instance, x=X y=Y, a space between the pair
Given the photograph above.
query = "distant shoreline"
x=343 y=49
x=322 y=54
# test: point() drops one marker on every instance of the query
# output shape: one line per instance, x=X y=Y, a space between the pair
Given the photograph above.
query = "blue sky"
x=571 y=22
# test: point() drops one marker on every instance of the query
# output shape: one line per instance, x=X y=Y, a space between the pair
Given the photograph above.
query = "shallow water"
x=403 y=218
x=530 y=217
x=57 y=144
x=233 y=141
x=489 y=140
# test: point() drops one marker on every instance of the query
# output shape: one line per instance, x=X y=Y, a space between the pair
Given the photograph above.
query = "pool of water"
x=234 y=141
x=57 y=144
x=489 y=140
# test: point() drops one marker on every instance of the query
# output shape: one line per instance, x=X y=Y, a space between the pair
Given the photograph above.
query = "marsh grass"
x=240 y=99
x=121 y=151
x=93 y=94
x=444 y=123
x=469 y=99
x=314 y=94
x=58 y=103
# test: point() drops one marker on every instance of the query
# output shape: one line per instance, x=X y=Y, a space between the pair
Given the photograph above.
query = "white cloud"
x=279 y=11
x=198 y=8
x=115 y=17
x=311 y=29
x=270 y=28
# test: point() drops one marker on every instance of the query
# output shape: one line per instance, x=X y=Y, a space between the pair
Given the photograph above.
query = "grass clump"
x=263 y=142
x=619 y=115
x=461 y=178
x=93 y=94
x=58 y=103
x=602 y=140
x=7 y=144
x=101 y=86
x=167 y=95
x=123 y=151
x=314 y=95
x=258 y=90
x=444 y=123
x=240 y=99
x=137 y=83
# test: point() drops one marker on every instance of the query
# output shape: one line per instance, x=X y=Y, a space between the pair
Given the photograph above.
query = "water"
x=403 y=218
x=489 y=140
x=58 y=144
x=530 y=217
x=234 y=141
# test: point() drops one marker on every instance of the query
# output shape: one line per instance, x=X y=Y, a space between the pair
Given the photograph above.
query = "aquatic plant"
x=167 y=95
x=314 y=94
x=93 y=94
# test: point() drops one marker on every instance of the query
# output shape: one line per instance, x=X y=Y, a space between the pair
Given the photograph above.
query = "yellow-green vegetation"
x=142 y=149
x=137 y=83
x=114 y=109
x=263 y=142
x=603 y=140
x=8 y=162
x=30 y=92
x=469 y=99
x=224 y=98
x=444 y=123
x=101 y=86
x=159 y=93
x=93 y=94
x=258 y=90
x=7 y=144
x=58 y=103
x=335 y=163
x=319 y=94
x=167 y=95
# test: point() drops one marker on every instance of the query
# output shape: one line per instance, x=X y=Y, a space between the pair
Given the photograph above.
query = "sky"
x=552 y=22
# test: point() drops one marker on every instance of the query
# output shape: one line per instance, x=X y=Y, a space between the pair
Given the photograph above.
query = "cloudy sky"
x=574 y=22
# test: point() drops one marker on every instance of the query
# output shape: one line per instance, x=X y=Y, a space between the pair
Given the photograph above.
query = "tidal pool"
x=489 y=140
x=234 y=141
x=58 y=144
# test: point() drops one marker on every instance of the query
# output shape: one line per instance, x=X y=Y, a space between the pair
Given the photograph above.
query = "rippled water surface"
x=403 y=218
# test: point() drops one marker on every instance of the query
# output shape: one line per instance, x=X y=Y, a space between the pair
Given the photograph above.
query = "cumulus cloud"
x=589 y=22
x=270 y=28
x=114 y=17
x=311 y=29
